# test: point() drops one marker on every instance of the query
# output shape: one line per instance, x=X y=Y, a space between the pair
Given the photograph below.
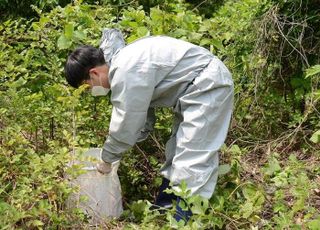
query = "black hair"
x=80 y=61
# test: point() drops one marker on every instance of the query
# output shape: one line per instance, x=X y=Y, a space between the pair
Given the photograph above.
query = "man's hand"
x=104 y=167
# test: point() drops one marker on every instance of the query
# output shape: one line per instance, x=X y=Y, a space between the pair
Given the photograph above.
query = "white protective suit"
x=165 y=72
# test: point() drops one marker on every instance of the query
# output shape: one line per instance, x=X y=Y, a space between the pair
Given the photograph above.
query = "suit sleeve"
x=149 y=125
x=132 y=91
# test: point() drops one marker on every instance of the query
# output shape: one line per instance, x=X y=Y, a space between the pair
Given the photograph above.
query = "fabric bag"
x=100 y=194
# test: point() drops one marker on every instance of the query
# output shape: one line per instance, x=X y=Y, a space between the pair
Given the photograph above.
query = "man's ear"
x=93 y=72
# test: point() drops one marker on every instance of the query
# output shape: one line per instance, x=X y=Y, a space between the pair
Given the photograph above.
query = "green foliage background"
x=270 y=164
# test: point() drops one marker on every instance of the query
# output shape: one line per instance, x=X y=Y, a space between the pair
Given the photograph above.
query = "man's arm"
x=132 y=91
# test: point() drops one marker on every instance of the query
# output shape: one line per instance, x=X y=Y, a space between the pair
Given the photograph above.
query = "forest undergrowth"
x=269 y=172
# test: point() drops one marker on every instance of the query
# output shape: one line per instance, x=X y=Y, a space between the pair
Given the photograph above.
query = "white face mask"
x=99 y=91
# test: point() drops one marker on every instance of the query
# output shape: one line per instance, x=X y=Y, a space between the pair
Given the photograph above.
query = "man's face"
x=98 y=77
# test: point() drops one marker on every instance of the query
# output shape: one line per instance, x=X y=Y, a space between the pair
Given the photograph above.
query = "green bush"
x=42 y=120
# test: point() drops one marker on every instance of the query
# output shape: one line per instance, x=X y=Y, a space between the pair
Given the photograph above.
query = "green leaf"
x=195 y=37
x=43 y=20
x=36 y=26
x=224 y=169
x=138 y=208
x=173 y=223
x=235 y=149
x=63 y=42
x=313 y=71
x=183 y=186
x=142 y=31
x=217 y=44
x=35 y=223
x=20 y=82
x=281 y=179
x=205 y=41
x=314 y=224
x=315 y=137
x=272 y=166
x=249 y=192
x=199 y=205
x=68 y=30
x=247 y=209
x=80 y=35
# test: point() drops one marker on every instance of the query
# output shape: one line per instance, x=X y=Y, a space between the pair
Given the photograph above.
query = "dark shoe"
x=164 y=200
x=182 y=214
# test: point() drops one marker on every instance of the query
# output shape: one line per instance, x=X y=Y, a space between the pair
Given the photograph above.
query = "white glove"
x=104 y=167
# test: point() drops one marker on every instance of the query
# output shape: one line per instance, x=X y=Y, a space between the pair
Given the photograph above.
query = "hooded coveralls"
x=165 y=72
